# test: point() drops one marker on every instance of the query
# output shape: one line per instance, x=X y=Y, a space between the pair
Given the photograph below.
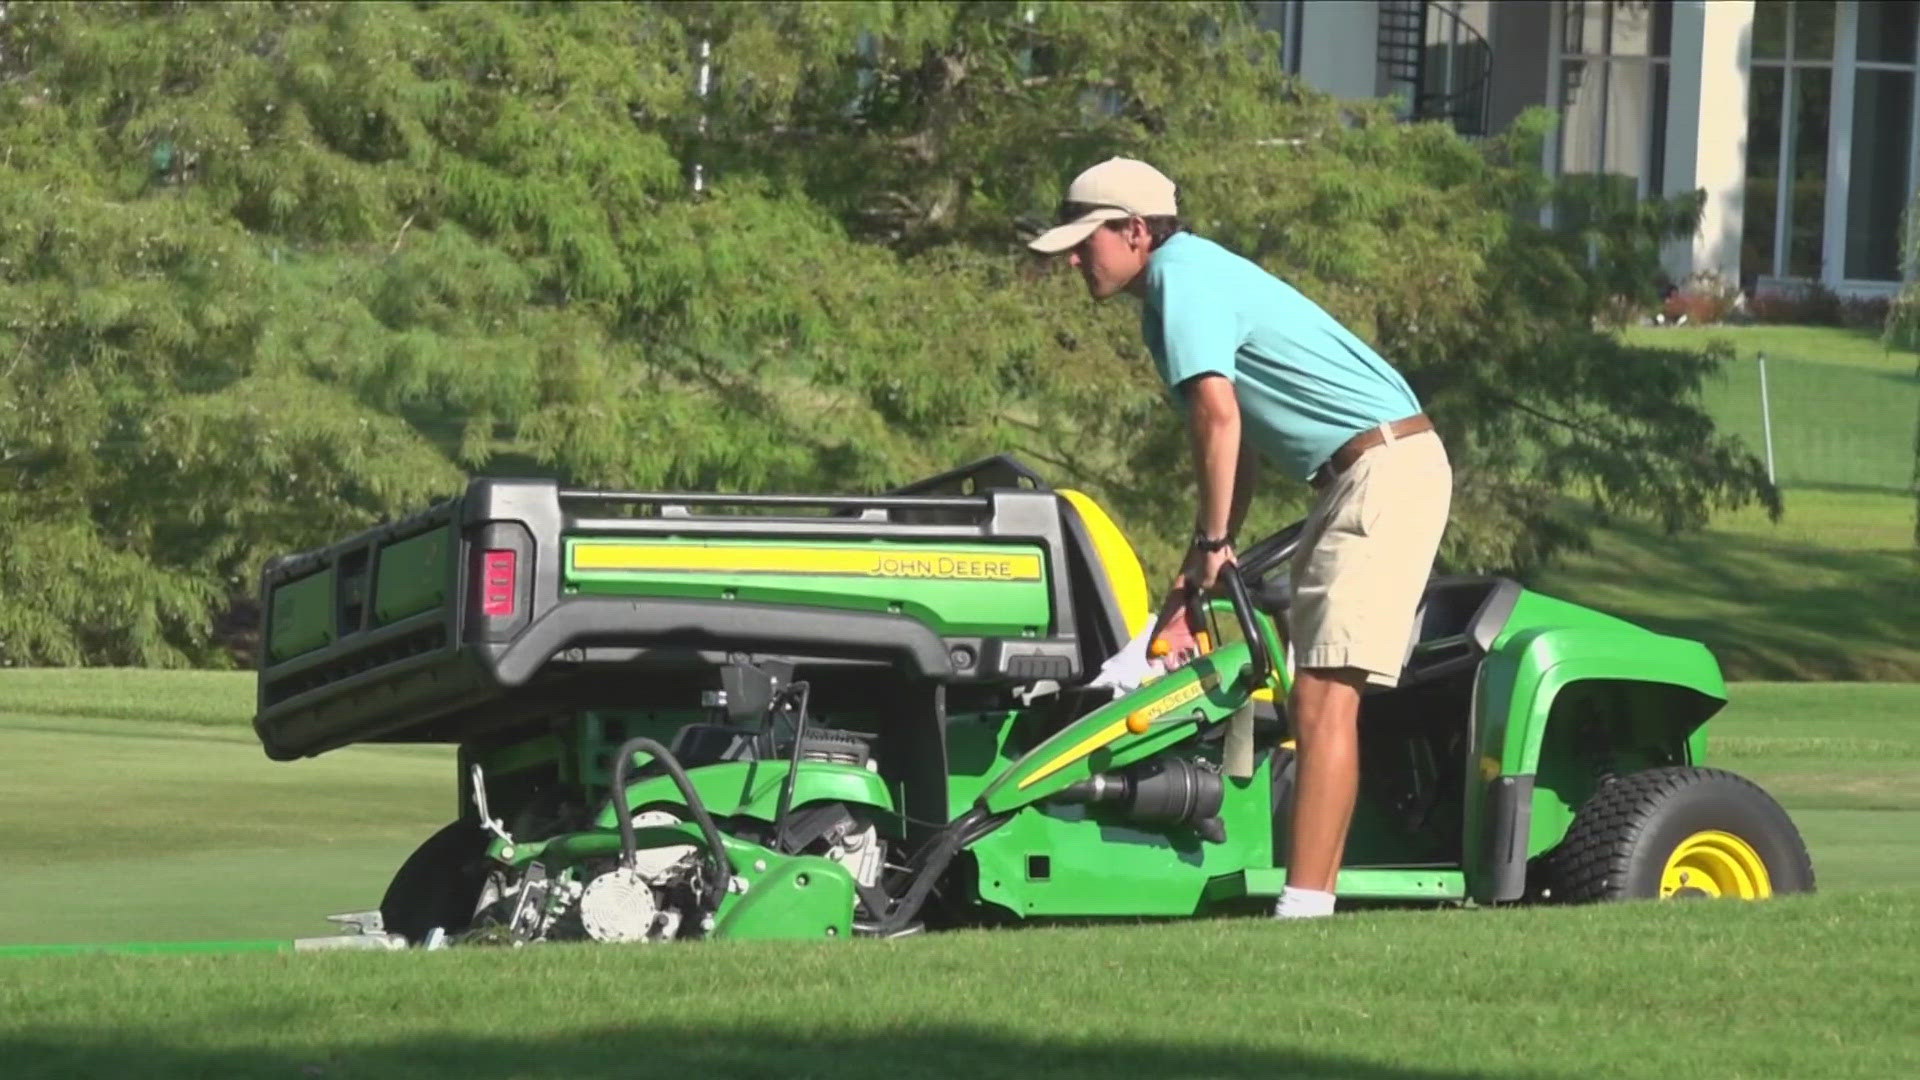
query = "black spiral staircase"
x=1417 y=41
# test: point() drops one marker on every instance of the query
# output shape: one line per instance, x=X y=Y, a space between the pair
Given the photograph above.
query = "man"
x=1261 y=371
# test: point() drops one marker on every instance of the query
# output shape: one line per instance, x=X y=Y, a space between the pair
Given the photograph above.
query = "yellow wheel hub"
x=1715 y=864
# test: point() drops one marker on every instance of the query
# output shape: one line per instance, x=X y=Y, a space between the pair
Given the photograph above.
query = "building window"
x=1788 y=104
x=1879 y=177
x=1613 y=90
x=1830 y=81
x=1282 y=17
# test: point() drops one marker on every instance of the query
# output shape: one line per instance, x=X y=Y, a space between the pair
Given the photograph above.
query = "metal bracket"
x=360 y=922
x=488 y=822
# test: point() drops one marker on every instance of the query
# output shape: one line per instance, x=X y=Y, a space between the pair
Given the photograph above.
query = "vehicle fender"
x=1520 y=680
x=1514 y=695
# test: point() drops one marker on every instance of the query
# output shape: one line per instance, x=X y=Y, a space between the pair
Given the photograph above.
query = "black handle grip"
x=1249 y=626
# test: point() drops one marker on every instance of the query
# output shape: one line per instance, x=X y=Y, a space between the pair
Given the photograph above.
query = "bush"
x=1801 y=304
x=1706 y=298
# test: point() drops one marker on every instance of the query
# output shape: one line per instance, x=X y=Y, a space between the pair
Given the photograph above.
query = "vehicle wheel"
x=438 y=885
x=1678 y=833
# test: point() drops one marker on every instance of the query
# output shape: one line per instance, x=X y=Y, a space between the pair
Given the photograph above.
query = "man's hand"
x=1204 y=566
x=1173 y=625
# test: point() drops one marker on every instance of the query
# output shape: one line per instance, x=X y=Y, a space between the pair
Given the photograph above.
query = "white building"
x=1796 y=117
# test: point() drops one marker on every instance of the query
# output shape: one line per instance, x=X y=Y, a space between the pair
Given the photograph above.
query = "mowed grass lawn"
x=137 y=806
x=1844 y=405
x=1832 y=589
x=1818 y=987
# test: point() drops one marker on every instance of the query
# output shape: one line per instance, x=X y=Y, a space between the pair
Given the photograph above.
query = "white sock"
x=1302 y=904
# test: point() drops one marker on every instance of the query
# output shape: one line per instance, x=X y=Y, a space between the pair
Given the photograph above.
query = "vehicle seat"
x=1108 y=586
x=1458 y=619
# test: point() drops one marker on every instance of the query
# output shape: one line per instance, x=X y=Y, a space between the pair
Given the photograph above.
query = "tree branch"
x=1570 y=425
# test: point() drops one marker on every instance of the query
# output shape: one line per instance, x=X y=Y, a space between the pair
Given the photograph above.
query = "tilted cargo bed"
x=520 y=598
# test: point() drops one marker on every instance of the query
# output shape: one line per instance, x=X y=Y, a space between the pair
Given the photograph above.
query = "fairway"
x=161 y=820
x=1803 y=987
x=197 y=835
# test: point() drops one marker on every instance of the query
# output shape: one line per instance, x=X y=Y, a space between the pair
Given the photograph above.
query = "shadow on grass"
x=1809 y=611
x=724 y=1049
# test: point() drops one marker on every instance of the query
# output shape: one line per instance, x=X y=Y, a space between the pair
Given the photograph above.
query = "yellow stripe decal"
x=1079 y=750
x=1147 y=714
x=931 y=563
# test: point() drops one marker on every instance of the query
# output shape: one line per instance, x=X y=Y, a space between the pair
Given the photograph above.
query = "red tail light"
x=498 y=572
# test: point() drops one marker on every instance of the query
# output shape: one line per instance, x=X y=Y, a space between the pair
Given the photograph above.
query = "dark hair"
x=1160 y=228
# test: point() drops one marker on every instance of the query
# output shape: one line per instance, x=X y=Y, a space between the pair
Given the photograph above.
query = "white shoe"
x=1303 y=904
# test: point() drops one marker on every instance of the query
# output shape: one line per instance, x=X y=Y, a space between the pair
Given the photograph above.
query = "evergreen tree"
x=270 y=273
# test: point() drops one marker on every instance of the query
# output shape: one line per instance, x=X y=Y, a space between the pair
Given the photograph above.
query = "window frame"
x=1844 y=65
x=1602 y=60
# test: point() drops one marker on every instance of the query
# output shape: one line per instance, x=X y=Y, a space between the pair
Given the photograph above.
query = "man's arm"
x=1199 y=342
x=1213 y=425
x=1213 y=428
x=1244 y=477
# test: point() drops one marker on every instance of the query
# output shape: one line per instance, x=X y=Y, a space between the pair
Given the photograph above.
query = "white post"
x=1766 y=416
x=706 y=69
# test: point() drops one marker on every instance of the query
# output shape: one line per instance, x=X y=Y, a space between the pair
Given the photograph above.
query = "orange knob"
x=1159 y=648
x=1139 y=722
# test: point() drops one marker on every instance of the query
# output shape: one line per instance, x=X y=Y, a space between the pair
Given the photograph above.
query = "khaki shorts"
x=1365 y=556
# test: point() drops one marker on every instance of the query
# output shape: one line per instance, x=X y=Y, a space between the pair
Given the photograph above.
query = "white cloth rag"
x=1125 y=670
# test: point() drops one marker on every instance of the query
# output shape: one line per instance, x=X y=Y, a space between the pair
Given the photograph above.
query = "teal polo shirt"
x=1305 y=384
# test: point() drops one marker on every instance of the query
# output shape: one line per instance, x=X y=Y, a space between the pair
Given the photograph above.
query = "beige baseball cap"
x=1116 y=188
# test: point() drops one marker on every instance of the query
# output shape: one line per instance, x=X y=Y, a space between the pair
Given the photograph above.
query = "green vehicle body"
x=945 y=635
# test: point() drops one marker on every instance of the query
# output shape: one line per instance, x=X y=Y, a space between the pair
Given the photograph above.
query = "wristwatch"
x=1203 y=542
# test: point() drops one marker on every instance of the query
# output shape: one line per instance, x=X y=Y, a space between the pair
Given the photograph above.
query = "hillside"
x=1831 y=590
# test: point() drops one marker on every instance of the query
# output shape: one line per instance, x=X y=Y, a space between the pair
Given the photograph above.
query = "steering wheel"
x=1269 y=554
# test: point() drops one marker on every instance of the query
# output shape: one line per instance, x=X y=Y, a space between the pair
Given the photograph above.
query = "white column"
x=1707 y=129
x=1340 y=47
x=1833 y=244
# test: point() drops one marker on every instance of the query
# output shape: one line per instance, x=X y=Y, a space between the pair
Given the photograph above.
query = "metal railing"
x=1414 y=36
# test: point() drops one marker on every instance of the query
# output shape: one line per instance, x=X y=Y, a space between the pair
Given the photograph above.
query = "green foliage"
x=269 y=273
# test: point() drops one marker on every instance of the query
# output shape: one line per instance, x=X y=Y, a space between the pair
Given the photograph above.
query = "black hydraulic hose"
x=629 y=847
x=939 y=852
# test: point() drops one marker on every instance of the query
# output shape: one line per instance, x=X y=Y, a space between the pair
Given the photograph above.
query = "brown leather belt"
x=1350 y=451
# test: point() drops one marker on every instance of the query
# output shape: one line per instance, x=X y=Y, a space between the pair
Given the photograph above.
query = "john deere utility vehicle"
x=752 y=716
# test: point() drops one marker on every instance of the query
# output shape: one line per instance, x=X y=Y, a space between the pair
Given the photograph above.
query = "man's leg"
x=1357 y=586
x=1326 y=722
